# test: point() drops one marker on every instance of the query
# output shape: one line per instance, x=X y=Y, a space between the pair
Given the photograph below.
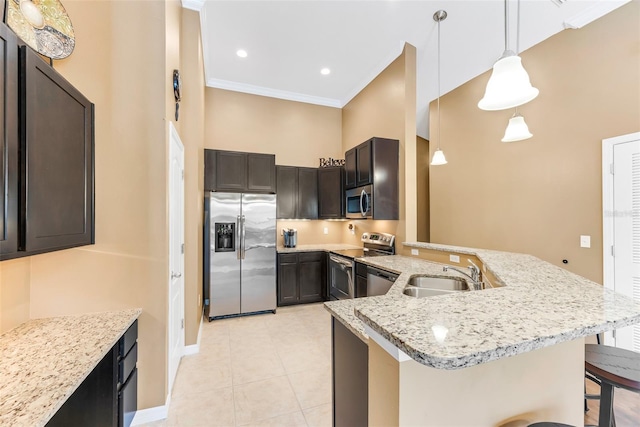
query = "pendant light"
x=509 y=85
x=517 y=129
x=438 y=157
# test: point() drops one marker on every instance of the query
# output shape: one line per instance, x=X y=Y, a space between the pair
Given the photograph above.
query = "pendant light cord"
x=506 y=25
x=438 y=85
x=518 y=31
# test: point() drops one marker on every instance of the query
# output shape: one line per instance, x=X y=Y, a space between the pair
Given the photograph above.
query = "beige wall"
x=539 y=195
x=192 y=134
x=297 y=133
x=14 y=293
x=387 y=108
x=422 y=189
x=541 y=385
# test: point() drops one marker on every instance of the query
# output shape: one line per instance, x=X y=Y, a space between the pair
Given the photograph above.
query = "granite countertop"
x=43 y=361
x=539 y=305
x=317 y=247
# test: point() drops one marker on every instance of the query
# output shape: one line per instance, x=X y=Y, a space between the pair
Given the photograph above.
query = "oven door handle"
x=342 y=262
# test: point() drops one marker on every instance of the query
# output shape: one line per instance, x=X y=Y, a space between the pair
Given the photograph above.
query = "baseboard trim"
x=144 y=416
x=194 y=348
x=149 y=415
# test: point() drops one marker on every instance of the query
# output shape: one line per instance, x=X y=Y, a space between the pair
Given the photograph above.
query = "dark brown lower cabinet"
x=108 y=396
x=350 y=370
x=301 y=278
x=361 y=280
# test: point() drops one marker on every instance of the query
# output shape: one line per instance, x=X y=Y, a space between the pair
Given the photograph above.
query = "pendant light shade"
x=509 y=85
x=517 y=130
x=438 y=158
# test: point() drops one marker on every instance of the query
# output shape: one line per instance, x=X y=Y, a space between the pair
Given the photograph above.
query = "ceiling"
x=288 y=42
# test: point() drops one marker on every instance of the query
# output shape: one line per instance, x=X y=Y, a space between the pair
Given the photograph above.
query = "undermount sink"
x=442 y=283
x=428 y=286
x=425 y=292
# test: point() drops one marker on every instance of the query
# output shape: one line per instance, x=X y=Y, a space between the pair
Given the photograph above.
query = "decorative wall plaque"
x=43 y=25
x=330 y=162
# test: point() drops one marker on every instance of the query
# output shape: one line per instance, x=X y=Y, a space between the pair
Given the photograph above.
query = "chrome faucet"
x=474 y=276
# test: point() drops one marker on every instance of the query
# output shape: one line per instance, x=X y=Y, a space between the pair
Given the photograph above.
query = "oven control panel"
x=382 y=239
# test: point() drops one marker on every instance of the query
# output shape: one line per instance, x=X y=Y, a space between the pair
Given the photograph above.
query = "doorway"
x=621 y=227
x=176 y=255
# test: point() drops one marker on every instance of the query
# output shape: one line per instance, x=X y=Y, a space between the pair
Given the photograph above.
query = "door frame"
x=608 y=260
x=175 y=143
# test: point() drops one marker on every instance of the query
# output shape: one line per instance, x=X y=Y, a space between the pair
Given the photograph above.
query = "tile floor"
x=263 y=370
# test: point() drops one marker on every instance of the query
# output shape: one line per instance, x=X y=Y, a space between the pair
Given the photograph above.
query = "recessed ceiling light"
x=325 y=71
x=242 y=53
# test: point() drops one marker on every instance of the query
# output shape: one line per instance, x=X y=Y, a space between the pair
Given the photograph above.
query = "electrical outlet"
x=585 y=241
x=454 y=258
x=415 y=252
x=325 y=230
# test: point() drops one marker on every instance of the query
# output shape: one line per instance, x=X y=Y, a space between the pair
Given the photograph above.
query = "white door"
x=624 y=268
x=176 y=253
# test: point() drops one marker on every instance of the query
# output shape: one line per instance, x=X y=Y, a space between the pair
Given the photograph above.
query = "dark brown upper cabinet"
x=364 y=160
x=46 y=156
x=57 y=145
x=239 y=172
x=9 y=163
x=350 y=180
x=297 y=192
x=375 y=163
x=331 y=193
x=261 y=173
x=307 y=193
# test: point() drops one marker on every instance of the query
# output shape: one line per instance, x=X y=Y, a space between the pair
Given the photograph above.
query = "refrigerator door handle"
x=244 y=236
x=238 y=237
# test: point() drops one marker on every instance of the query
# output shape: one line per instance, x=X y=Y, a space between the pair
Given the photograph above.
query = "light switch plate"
x=585 y=241
x=415 y=252
x=454 y=258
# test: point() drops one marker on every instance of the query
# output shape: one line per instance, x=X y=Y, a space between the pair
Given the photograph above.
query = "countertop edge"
x=500 y=352
x=338 y=316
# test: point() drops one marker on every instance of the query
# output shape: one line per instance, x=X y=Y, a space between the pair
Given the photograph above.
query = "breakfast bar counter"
x=538 y=305
x=521 y=339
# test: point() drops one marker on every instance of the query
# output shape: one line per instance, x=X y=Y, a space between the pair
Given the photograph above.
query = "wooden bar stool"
x=614 y=367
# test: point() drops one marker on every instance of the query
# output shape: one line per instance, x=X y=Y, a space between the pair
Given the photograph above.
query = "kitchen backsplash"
x=312 y=232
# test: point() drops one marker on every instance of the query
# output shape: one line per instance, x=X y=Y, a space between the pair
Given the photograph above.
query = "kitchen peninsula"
x=513 y=352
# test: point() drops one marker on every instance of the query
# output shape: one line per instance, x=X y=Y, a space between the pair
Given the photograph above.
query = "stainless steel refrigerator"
x=240 y=254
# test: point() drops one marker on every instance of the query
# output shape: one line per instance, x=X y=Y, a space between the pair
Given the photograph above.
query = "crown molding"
x=196 y=5
x=273 y=93
x=592 y=13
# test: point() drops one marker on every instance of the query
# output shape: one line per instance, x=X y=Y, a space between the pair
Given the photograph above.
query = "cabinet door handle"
x=175 y=275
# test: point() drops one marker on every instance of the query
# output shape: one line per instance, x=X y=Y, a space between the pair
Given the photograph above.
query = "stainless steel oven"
x=359 y=202
x=340 y=277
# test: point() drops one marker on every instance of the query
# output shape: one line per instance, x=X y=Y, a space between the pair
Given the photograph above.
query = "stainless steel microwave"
x=359 y=202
